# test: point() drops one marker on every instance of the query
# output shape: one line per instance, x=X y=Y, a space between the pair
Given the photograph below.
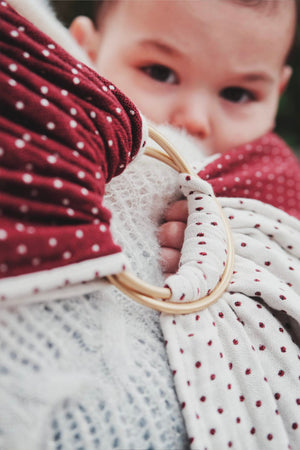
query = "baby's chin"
x=190 y=148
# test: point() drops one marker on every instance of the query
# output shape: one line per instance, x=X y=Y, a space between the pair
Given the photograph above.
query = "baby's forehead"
x=273 y=10
x=281 y=10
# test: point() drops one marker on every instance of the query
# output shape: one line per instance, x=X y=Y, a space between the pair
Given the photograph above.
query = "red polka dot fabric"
x=64 y=133
x=264 y=170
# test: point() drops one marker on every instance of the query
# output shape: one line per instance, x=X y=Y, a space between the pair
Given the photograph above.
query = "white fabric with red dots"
x=236 y=364
x=204 y=251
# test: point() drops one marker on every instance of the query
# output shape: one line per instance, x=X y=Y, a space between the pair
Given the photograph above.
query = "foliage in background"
x=288 y=119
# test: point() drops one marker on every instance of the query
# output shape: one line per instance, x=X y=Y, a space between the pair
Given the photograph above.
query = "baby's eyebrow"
x=160 y=45
x=256 y=77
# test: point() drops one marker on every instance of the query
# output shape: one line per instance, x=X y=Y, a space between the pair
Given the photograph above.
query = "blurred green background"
x=288 y=119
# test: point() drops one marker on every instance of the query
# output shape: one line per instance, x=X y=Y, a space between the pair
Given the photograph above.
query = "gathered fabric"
x=65 y=132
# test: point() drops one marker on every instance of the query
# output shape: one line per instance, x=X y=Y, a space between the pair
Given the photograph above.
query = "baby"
x=215 y=68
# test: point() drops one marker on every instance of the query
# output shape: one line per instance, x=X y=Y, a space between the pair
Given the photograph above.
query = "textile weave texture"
x=64 y=132
x=93 y=372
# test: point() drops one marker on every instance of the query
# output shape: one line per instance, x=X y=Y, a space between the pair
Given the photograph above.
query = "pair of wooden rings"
x=158 y=298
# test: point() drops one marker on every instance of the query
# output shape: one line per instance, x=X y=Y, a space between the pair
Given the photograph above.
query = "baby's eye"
x=160 y=73
x=237 y=95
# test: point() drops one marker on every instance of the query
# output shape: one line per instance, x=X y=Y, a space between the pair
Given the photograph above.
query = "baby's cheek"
x=242 y=136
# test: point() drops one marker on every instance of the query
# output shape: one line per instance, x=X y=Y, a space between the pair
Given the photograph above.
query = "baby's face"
x=213 y=67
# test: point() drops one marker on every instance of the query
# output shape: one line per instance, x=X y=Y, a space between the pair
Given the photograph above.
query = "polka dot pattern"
x=58 y=149
x=204 y=252
x=264 y=170
x=236 y=363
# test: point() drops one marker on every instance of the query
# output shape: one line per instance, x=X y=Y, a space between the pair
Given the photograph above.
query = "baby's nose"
x=194 y=117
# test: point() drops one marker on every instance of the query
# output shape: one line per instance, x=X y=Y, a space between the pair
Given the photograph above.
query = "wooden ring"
x=157 y=297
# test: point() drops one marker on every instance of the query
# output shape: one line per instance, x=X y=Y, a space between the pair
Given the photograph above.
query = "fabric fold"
x=64 y=133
